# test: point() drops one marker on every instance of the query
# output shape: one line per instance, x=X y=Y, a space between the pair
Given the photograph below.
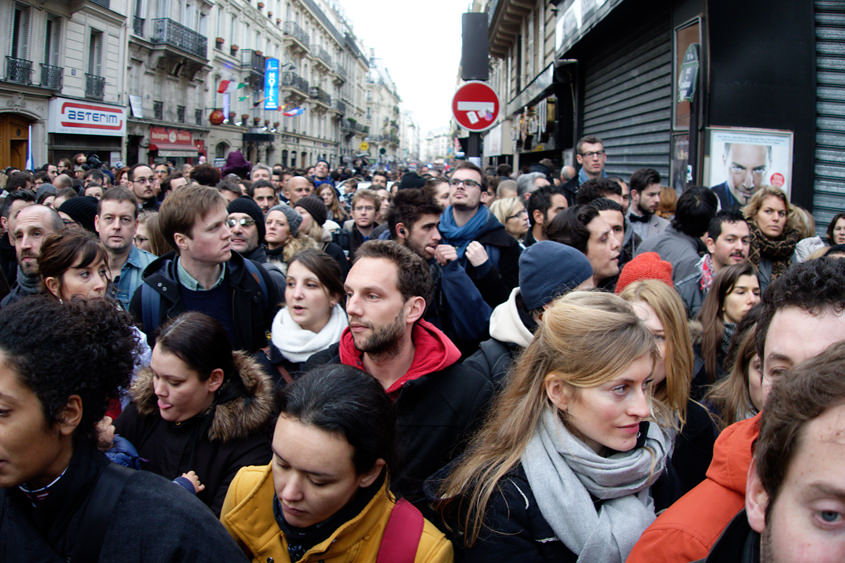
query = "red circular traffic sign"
x=475 y=106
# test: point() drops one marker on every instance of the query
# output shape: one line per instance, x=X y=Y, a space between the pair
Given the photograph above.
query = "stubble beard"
x=384 y=341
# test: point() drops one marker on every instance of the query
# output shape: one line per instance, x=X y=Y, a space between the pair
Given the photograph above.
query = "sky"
x=420 y=45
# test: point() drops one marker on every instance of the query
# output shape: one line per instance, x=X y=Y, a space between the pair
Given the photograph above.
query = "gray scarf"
x=28 y=284
x=564 y=472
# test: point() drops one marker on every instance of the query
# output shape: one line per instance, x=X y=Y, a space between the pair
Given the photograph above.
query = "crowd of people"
x=267 y=364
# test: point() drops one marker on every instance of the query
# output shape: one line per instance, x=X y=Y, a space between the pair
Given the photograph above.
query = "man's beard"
x=644 y=212
x=384 y=341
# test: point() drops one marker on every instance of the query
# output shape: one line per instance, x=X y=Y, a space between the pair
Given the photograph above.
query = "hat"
x=236 y=164
x=294 y=218
x=646 y=266
x=248 y=206
x=81 y=209
x=411 y=180
x=315 y=207
x=44 y=191
x=549 y=269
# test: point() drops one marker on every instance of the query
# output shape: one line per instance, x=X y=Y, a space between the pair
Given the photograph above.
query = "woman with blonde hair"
x=774 y=233
x=283 y=237
x=662 y=311
x=329 y=196
x=511 y=213
x=563 y=466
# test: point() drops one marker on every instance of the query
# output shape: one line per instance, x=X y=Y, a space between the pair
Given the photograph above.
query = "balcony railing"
x=169 y=32
x=341 y=72
x=352 y=126
x=138 y=26
x=18 y=71
x=293 y=80
x=320 y=95
x=95 y=86
x=322 y=54
x=339 y=106
x=51 y=77
x=292 y=28
x=252 y=60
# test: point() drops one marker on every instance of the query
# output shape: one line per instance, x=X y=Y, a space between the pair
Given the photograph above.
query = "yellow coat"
x=248 y=516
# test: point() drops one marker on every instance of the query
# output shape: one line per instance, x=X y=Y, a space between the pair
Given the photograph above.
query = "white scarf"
x=297 y=344
x=563 y=472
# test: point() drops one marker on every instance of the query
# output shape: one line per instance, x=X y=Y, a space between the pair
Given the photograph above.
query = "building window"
x=51 y=41
x=158 y=110
x=95 y=53
x=20 y=32
x=198 y=116
x=180 y=114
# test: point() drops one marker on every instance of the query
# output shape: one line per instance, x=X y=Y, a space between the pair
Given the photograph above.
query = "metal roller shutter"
x=628 y=101
x=829 y=193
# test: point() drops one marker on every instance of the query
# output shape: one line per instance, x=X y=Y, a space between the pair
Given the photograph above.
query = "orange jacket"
x=688 y=529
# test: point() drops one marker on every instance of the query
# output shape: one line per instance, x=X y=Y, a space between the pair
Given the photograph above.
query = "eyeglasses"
x=144 y=180
x=454 y=182
x=518 y=214
x=243 y=222
x=592 y=154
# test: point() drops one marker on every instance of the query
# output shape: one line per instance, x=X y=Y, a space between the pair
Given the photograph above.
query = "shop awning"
x=175 y=150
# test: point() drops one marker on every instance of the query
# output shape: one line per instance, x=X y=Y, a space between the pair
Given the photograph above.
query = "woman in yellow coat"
x=325 y=494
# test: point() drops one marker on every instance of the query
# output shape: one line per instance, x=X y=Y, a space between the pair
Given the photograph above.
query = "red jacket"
x=688 y=529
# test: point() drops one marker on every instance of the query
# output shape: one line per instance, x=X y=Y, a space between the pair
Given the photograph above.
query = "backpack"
x=402 y=534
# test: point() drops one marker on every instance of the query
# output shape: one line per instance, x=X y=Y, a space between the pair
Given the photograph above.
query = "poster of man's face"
x=741 y=161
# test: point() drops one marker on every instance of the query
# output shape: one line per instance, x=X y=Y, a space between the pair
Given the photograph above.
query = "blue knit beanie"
x=549 y=269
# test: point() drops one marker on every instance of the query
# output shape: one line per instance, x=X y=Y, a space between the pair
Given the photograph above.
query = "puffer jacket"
x=233 y=433
x=248 y=516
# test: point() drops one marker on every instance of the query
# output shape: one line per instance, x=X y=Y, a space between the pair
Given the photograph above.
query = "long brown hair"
x=710 y=315
x=602 y=323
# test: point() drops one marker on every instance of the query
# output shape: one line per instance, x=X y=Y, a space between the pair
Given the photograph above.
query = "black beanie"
x=248 y=206
x=315 y=207
x=81 y=209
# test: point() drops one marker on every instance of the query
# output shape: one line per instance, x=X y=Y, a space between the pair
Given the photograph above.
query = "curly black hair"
x=80 y=348
x=813 y=286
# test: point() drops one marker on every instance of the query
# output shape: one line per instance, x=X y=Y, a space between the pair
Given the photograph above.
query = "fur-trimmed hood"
x=234 y=419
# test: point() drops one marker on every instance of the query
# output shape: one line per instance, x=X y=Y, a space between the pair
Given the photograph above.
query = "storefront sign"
x=85 y=118
x=688 y=77
x=172 y=142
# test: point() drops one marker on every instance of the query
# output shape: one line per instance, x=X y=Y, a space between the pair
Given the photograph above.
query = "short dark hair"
x=205 y=175
x=595 y=189
x=540 y=200
x=604 y=204
x=570 y=227
x=413 y=277
x=92 y=358
x=696 y=207
x=324 y=267
x=118 y=193
x=96 y=174
x=832 y=224
x=17 y=181
x=63 y=249
x=797 y=397
x=592 y=139
x=814 y=286
x=504 y=169
x=344 y=400
x=200 y=341
x=260 y=184
x=131 y=173
x=20 y=195
x=408 y=206
x=467 y=165
x=643 y=178
x=714 y=229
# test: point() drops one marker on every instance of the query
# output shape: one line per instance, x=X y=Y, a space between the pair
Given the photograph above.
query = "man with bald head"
x=297 y=188
x=33 y=224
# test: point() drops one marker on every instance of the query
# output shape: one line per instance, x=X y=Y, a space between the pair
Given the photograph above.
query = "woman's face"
x=86 y=282
x=739 y=300
x=313 y=473
x=142 y=237
x=181 y=395
x=839 y=231
x=32 y=451
x=652 y=322
x=517 y=223
x=327 y=194
x=755 y=381
x=607 y=417
x=771 y=219
x=277 y=229
x=307 y=300
x=306 y=218
x=442 y=194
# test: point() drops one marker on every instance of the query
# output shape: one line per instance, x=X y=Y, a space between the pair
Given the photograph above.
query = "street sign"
x=271 y=83
x=475 y=106
x=365 y=146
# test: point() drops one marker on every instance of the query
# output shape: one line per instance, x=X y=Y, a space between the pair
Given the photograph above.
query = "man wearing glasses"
x=747 y=166
x=590 y=154
x=204 y=274
x=476 y=239
x=144 y=185
x=246 y=221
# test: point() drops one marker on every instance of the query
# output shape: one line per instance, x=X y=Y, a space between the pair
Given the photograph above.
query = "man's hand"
x=445 y=253
x=476 y=254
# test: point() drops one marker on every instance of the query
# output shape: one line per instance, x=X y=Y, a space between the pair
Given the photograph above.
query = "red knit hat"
x=646 y=266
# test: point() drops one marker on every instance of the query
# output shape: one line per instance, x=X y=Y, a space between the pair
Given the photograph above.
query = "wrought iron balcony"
x=138 y=26
x=18 y=71
x=320 y=95
x=174 y=34
x=252 y=60
x=341 y=72
x=95 y=86
x=340 y=107
x=51 y=77
x=293 y=30
x=293 y=80
x=322 y=55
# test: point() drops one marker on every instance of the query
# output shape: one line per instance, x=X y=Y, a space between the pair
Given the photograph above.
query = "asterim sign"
x=80 y=117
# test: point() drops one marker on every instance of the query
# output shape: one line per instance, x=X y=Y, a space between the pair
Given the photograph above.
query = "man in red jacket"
x=803 y=312
x=438 y=402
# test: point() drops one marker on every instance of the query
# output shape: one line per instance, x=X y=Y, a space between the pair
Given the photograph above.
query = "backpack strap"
x=98 y=514
x=150 y=308
x=252 y=268
x=401 y=534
